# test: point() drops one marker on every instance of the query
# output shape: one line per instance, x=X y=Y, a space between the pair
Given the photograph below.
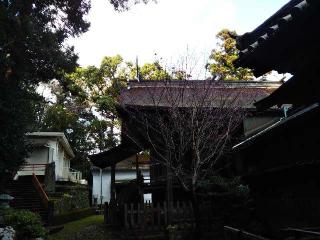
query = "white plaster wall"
x=51 y=151
x=96 y=186
x=39 y=156
x=58 y=158
x=53 y=145
x=121 y=175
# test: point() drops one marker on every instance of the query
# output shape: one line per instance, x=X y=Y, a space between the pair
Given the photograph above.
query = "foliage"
x=58 y=118
x=180 y=231
x=221 y=59
x=153 y=71
x=123 y=5
x=17 y=115
x=32 y=50
x=218 y=185
x=85 y=108
x=86 y=102
x=27 y=224
x=230 y=200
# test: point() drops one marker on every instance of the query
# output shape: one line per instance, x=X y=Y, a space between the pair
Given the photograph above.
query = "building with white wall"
x=125 y=171
x=49 y=147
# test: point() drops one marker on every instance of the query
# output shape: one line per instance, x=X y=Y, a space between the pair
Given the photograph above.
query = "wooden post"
x=139 y=179
x=112 y=205
x=131 y=215
x=152 y=215
x=159 y=214
x=106 y=213
x=139 y=215
x=165 y=213
x=185 y=212
x=169 y=193
x=137 y=165
x=126 y=215
x=179 y=212
x=113 y=182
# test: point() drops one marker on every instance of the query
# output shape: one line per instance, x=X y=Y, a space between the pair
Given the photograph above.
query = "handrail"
x=40 y=190
x=73 y=174
x=239 y=234
x=302 y=231
x=74 y=170
x=33 y=167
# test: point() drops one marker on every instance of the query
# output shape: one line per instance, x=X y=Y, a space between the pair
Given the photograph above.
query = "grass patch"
x=89 y=228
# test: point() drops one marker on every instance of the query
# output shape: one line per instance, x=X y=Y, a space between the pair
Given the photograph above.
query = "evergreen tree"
x=32 y=50
x=221 y=59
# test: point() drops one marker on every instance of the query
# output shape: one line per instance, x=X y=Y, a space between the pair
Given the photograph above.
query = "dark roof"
x=188 y=93
x=285 y=42
x=294 y=91
x=284 y=122
x=114 y=155
x=244 y=41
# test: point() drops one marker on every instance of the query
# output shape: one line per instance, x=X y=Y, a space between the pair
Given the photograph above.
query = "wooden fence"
x=148 y=216
x=154 y=216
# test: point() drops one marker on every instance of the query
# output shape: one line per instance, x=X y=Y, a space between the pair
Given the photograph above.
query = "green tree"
x=123 y=5
x=87 y=97
x=85 y=108
x=86 y=100
x=154 y=71
x=32 y=50
x=59 y=118
x=221 y=59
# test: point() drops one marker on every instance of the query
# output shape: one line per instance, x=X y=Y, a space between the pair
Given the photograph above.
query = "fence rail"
x=148 y=216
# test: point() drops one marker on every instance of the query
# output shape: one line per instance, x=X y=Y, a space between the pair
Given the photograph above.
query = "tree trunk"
x=196 y=215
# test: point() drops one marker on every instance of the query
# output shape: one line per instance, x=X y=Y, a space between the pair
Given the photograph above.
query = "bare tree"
x=188 y=125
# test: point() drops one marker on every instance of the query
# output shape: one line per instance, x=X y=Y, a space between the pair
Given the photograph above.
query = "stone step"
x=26 y=196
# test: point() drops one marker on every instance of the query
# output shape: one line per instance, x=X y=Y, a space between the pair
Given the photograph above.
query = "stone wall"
x=49 y=178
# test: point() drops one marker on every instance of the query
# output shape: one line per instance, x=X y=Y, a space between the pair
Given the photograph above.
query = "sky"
x=169 y=30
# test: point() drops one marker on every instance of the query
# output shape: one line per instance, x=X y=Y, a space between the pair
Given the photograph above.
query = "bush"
x=72 y=216
x=27 y=224
x=180 y=231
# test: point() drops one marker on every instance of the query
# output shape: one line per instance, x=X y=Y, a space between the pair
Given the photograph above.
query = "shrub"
x=27 y=224
x=72 y=216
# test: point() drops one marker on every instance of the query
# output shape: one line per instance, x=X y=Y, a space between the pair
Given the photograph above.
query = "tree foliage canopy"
x=221 y=59
x=123 y=5
x=32 y=50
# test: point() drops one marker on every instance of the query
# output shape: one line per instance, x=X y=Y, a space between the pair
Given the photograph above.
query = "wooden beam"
x=113 y=182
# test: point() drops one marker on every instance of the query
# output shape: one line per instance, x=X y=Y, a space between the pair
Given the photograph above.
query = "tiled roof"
x=59 y=135
x=189 y=93
x=284 y=30
x=279 y=125
x=114 y=155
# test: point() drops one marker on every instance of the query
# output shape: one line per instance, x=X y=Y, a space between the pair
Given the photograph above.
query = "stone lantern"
x=5 y=200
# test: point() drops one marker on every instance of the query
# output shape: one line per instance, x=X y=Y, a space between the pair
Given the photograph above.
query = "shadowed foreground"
x=87 y=228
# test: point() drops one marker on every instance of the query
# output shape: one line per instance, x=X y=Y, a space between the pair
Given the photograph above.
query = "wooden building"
x=126 y=173
x=281 y=162
x=150 y=96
